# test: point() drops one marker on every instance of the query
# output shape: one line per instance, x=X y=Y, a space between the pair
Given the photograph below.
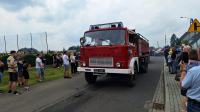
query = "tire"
x=90 y=78
x=132 y=78
x=144 y=68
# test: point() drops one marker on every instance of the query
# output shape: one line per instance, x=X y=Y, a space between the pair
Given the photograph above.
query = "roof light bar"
x=107 y=25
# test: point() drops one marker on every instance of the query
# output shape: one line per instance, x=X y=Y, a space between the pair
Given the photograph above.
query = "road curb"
x=166 y=92
x=157 y=104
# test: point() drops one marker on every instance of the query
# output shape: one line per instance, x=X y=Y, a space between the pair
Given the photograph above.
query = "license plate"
x=99 y=70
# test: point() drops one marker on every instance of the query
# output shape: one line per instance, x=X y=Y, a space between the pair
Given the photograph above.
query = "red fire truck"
x=114 y=50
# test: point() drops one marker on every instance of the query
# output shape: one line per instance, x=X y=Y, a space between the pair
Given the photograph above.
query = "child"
x=26 y=75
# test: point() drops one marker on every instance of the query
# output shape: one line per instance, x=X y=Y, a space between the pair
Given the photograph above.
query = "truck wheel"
x=90 y=78
x=131 y=78
x=144 y=68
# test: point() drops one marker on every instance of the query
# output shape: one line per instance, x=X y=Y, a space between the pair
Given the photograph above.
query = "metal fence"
x=30 y=40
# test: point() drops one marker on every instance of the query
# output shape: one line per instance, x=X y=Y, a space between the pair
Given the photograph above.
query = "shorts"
x=20 y=73
x=1 y=77
x=39 y=71
x=66 y=67
x=13 y=76
x=26 y=74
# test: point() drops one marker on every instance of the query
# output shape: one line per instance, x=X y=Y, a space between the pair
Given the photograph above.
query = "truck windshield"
x=106 y=37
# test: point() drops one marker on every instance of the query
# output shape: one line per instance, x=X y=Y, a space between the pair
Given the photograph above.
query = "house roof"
x=191 y=37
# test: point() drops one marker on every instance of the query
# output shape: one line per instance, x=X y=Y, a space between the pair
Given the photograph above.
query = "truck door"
x=133 y=44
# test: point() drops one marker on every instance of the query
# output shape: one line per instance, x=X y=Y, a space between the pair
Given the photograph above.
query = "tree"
x=174 y=41
x=75 y=48
x=186 y=42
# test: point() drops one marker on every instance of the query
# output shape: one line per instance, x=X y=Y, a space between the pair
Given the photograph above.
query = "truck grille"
x=101 y=62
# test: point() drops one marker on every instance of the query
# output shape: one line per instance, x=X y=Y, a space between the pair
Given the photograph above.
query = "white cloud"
x=66 y=20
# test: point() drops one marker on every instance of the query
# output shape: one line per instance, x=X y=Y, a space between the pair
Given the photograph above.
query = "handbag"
x=183 y=91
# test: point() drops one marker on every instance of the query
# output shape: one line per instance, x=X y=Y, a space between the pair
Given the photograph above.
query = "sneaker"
x=26 y=88
x=10 y=91
x=39 y=81
x=16 y=93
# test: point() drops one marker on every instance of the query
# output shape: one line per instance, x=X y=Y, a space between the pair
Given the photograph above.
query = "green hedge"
x=49 y=59
x=30 y=58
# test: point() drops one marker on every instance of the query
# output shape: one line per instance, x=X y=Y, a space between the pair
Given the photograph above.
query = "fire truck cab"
x=114 y=50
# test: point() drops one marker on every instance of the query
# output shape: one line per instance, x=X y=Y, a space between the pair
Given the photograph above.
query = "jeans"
x=1 y=77
x=192 y=108
x=173 y=66
x=170 y=66
x=166 y=59
x=40 y=72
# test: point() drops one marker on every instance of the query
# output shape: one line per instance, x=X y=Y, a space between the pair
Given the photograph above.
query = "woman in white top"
x=73 y=63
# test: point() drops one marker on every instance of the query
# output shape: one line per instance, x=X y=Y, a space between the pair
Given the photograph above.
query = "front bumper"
x=106 y=70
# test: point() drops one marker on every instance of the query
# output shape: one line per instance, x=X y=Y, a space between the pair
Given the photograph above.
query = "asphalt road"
x=112 y=95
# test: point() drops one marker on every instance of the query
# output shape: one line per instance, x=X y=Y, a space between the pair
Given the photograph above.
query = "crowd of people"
x=186 y=65
x=73 y=58
x=18 y=69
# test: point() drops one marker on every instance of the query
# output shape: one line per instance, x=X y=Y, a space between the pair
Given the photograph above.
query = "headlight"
x=83 y=64
x=118 y=65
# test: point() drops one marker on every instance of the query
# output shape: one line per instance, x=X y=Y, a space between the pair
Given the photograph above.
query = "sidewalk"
x=37 y=98
x=173 y=98
x=167 y=97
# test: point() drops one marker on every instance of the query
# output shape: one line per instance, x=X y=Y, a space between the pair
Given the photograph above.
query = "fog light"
x=118 y=65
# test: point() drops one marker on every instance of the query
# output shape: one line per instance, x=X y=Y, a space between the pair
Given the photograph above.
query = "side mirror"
x=82 y=41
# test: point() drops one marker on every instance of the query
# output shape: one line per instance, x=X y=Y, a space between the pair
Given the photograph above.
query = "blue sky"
x=66 y=20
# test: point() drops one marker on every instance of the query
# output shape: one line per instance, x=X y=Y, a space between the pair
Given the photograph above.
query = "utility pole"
x=47 y=42
x=17 y=42
x=31 y=42
x=165 y=40
x=158 y=44
x=5 y=44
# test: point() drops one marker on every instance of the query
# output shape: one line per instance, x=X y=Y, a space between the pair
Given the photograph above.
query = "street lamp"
x=191 y=19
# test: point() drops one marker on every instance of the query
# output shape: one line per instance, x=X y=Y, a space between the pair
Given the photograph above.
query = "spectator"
x=77 y=59
x=173 y=61
x=60 y=61
x=54 y=61
x=20 y=72
x=193 y=61
x=39 y=68
x=169 y=60
x=192 y=83
x=66 y=65
x=26 y=75
x=166 y=53
x=12 y=70
x=43 y=68
x=57 y=61
x=184 y=58
x=73 y=63
x=1 y=73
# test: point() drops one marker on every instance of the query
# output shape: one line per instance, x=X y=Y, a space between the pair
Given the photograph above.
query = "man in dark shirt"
x=166 y=50
x=173 y=59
